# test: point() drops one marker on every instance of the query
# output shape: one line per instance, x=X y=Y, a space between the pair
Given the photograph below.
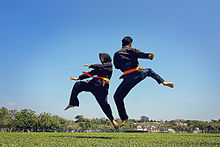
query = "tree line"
x=27 y=120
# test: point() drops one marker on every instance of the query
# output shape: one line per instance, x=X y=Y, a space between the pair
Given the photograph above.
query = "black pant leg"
x=127 y=84
x=101 y=97
x=119 y=96
x=152 y=74
x=77 y=88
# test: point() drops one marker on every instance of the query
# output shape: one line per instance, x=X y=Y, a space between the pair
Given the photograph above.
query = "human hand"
x=151 y=56
x=87 y=66
x=72 y=78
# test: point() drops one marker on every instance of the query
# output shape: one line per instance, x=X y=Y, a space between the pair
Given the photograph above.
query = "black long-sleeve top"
x=127 y=58
x=102 y=70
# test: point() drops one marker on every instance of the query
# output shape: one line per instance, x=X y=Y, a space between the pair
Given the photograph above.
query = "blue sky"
x=43 y=43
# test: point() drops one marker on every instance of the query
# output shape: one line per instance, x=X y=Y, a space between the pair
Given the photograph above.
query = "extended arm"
x=83 y=76
x=143 y=55
x=95 y=66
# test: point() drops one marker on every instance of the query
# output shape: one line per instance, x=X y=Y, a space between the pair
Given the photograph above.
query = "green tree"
x=79 y=118
x=26 y=119
x=144 y=119
x=85 y=124
x=13 y=120
x=44 y=122
x=4 y=119
x=216 y=127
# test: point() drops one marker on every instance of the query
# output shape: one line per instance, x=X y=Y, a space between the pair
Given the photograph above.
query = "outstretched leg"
x=128 y=83
x=150 y=73
x=155 y=76
x=77 y=88
x=101 y=97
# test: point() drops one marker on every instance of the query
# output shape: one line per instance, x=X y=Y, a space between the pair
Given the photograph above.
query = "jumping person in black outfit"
x=98 y=86
x=126 y=59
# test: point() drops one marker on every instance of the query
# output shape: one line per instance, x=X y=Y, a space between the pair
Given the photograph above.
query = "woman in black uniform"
x=98 y=85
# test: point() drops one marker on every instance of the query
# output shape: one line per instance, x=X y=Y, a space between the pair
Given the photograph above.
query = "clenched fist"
x=151 y=56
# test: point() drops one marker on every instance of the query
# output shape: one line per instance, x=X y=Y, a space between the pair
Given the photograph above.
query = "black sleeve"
x=140 y=54
x=115 y=61
x=83 y=76
x=94 y=66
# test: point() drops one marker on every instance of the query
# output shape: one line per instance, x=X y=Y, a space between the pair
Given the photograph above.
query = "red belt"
x=132 y=70
x=103 y=78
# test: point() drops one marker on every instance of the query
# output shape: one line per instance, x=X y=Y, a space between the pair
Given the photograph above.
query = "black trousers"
x=129 y=81
x=98 y=90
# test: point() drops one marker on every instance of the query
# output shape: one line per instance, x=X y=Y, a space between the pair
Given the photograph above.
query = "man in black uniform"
x=98 y=86
x=126 y=59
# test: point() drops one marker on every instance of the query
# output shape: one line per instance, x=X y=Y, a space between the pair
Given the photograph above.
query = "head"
x=104 y=57
x=127 y=41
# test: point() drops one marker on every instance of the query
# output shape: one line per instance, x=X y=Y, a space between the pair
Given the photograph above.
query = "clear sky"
x=43 y=43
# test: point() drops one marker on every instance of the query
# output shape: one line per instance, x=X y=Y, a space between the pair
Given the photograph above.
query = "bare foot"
x=169 y=84
x=69 y=106
x=123 y=122
x=115 y=124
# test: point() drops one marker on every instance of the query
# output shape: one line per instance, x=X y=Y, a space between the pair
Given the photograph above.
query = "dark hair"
x=126 y=41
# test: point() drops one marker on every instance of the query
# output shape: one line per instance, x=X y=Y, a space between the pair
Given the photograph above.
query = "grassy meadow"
x=108 y=139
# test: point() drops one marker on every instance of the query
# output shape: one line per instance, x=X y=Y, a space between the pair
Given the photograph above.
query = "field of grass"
x=108 y=139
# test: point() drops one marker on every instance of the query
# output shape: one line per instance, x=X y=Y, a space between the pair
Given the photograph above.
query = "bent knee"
x=117 y=98
x=76 y=85
x=149 y=69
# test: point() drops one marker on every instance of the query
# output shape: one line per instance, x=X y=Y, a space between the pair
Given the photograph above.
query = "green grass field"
x=108 y=139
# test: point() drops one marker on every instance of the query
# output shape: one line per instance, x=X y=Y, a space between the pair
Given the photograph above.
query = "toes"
x=69 y=106
x=123 y=122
